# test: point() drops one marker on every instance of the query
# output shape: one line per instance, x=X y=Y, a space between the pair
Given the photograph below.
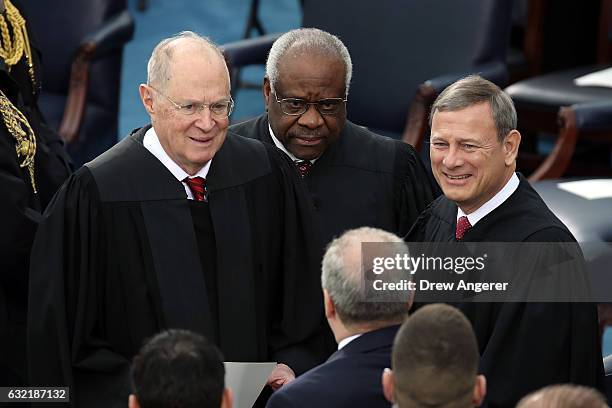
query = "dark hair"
x=435 y=359
x=178 y=369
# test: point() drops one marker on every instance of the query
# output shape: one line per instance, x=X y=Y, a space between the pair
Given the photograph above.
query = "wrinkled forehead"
x=197 y=66
x=474 y=121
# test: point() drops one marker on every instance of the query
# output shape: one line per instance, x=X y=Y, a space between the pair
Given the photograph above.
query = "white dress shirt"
x=493 y=203
x=151 y=143
x=347 y=340
x=281 y=146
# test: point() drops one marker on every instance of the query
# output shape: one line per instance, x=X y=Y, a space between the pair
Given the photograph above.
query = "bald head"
x=435 y=359
x=176 y=50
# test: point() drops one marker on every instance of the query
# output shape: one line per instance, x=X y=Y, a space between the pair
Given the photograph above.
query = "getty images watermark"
x=482 y=272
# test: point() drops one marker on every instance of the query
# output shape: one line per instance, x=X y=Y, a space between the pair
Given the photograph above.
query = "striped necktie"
x=197 y=185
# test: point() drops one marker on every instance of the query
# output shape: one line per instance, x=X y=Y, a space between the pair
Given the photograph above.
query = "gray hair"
x=473 y=90
x=308 y=39
x=343 y=279
x=158 y=68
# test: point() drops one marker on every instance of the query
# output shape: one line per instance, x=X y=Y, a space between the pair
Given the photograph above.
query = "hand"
x=280 y=376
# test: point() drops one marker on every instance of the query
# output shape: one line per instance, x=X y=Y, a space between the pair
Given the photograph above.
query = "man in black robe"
x=355 y=177
x=123 y=254
x=523 y=346
x=33 y=165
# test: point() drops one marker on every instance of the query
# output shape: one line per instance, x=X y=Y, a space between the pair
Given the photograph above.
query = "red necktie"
x=303 y=167
x=197 y=185
x=463 y=224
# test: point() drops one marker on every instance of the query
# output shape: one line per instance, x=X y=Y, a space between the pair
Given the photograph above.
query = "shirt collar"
x=152 y=143
x=344 y=342
x=493 y=203
x=281 y=146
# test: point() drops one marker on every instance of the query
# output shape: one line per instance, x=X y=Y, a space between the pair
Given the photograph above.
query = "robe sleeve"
x=65 y=333
x=301 y=327
x=526 y=346
x=415 y=188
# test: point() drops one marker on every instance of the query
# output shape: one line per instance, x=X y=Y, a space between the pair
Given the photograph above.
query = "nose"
x=452 y=157
x=204 y=119
x=311 y=119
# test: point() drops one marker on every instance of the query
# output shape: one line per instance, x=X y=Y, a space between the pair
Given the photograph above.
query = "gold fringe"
x=12 y=50
x=18 y=126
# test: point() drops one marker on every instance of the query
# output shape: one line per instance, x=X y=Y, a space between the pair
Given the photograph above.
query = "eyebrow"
x=462 y=140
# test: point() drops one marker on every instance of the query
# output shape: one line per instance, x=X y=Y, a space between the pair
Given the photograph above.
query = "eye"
x=468 y=147
x=189 y=108
x=439 y=145
x=219 y=107
x=328 y=104
x=294 y=103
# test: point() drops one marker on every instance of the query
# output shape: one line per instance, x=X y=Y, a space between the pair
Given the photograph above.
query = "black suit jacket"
x=351 y=377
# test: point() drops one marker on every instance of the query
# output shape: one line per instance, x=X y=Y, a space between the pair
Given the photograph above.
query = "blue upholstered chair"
x=81 y=44
x=539 y=100
x=404 y=53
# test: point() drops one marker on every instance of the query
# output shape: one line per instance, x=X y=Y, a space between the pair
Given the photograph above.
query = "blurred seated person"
x=435 y=361
x=33 y=164
x=564 y=396
x=179 y=369
x=363 y=328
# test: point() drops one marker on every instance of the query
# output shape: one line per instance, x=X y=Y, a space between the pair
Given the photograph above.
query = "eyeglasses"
x=297 y=107
x=220 y=109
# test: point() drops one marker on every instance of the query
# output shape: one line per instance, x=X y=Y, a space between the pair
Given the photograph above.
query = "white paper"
x=246 y=381
x=589 y=189
x=598 y=78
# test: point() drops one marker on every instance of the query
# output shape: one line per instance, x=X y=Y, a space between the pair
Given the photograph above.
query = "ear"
x=133 y=402
x=511 y=146
x=388 y=384
x=328 y=303
x=410 y=301
x=146 y=96
x=227 y=400
x=267 y=90
x=480 y=390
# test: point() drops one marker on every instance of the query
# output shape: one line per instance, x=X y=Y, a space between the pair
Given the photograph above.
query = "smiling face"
x=310 y=77
x=196 y=75
x=468 y=161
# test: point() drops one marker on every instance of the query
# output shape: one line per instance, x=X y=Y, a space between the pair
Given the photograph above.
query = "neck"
x=348 y=330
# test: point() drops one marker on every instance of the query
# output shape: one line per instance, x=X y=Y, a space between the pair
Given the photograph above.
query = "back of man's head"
x=347 y=279
x=564 y=396
x=179 y=369
x=435 y=361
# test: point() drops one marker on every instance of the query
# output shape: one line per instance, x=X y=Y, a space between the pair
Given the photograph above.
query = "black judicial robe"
x=21 y=208
x=523 y=346
x=361 y=180
x=116 y=260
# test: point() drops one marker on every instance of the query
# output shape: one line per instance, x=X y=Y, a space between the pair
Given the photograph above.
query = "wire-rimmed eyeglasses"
x=221 y=109
x=297 y=107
